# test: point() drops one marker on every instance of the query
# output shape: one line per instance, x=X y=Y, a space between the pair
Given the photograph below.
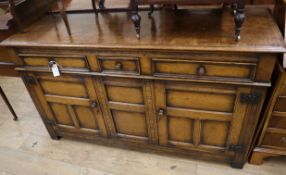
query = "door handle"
x=94 y=105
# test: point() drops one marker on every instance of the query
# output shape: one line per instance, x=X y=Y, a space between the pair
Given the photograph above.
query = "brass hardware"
x=283 y=140
x=201 y=70
x=94 y=104
x=119 y=66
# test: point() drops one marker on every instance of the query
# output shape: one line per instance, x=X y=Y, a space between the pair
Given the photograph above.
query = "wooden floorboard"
x=26 y=149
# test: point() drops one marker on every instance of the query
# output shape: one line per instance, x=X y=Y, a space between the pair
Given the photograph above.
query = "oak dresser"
x=185 y=88
x=272 y=139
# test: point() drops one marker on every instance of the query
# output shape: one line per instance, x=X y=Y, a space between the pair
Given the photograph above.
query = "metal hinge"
x=29 y=80
x=249 y=98
x=237 y=148
x=49 y=122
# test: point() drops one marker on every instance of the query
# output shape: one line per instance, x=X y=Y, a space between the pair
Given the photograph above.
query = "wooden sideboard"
x=186 y=88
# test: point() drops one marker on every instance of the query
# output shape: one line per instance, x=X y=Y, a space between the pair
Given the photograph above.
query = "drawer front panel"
x=201 y=68
x=280 y=105
x=273 y=139
x=63 y=62
x=119 y=65
x=278 y=122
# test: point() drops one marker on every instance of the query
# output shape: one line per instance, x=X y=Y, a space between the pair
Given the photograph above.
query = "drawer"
x=274 y=139
x=278 y=122
x=280 y=105
x=119 y=65
x=186 y=68
x=64 y=62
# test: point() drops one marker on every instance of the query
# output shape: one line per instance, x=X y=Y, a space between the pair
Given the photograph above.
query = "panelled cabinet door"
x=199 y=117
x=129 y=108
x=70 y=103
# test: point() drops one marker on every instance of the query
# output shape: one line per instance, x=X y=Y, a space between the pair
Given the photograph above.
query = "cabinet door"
x=200 y=117
x=70 y=103
x=129 y=108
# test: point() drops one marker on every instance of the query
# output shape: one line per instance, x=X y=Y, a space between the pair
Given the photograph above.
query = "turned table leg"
x=136 y=18
x=151 y=10
x=94 y=6
x=8 y=104
x=238 y=17
x=64 y=15
x=101 y=4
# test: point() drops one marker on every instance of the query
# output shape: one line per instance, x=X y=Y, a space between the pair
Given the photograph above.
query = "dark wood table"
x=238 y=6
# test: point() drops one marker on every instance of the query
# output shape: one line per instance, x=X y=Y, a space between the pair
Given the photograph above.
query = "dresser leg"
x=64 y=15
x=8 y=104
x=55 y=137
x=136 y=18
x=239 y=18
x=257 y=158
x=237 y=165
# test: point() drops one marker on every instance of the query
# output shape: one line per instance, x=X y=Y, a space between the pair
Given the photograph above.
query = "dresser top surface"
x=166 y=30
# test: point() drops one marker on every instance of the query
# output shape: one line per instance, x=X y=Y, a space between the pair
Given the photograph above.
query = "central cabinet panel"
x=129 y=108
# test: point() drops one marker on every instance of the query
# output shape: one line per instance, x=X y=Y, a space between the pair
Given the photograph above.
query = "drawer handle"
x=94 y=105
x=54 y=68
x=119 y=66
x=283 y=140
x=51 y=63
x=201 y=70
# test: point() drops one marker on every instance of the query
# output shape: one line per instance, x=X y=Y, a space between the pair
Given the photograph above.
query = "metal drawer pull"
x=94 y=105
x=54 y=68
x=283 y=140
x=201 y=70
x=119 y=66
x=51 y=63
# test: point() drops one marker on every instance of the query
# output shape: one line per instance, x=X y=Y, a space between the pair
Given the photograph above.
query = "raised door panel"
x=199 y=117
x=129 y=109
x=70 y=103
